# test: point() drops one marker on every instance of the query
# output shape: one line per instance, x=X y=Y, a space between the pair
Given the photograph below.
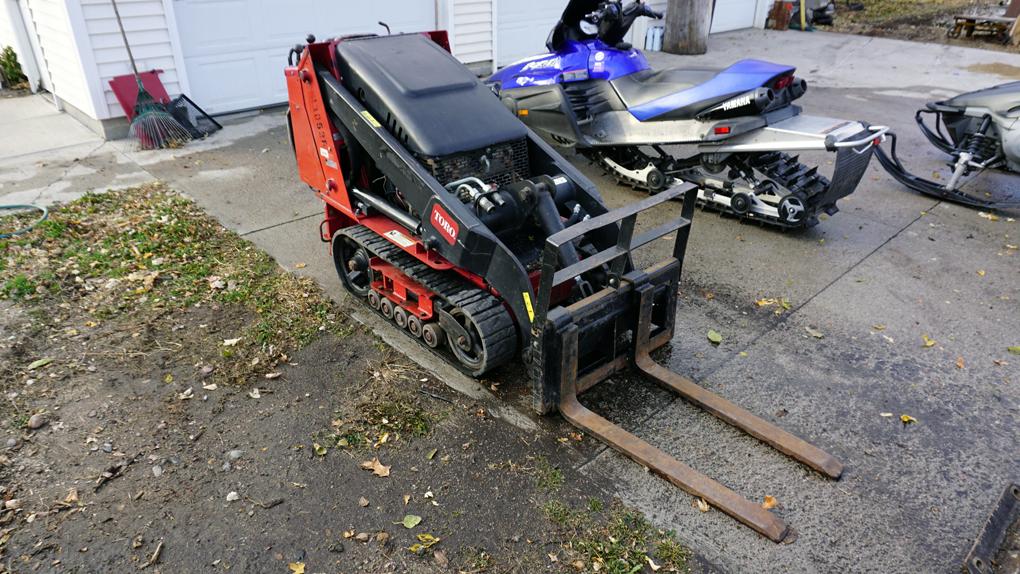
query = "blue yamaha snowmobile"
x=730 y=131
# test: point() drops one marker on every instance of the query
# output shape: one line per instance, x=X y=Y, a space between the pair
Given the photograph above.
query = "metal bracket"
x=616 y=329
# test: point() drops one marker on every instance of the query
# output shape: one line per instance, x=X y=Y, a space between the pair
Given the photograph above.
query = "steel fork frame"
x=631 y=305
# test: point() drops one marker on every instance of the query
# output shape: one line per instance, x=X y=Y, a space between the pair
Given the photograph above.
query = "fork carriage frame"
x=631 y=320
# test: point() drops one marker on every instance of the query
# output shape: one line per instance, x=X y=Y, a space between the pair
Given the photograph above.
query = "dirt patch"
x=917 y=20
x=176 y=402
x=1004 y=70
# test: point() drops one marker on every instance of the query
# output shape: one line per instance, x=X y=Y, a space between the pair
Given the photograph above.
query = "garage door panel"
x=523 y=27
x=227 y=83
x=733 y=15
x=235 y=50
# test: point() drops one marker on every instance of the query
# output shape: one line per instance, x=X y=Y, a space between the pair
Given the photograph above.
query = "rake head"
x=154 y=126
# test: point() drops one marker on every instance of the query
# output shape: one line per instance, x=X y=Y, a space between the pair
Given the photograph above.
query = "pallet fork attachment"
x=582 y=344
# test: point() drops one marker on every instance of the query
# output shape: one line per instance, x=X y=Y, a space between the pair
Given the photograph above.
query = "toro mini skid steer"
x=453 y=220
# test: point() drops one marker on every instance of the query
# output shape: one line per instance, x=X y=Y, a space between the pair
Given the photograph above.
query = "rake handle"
x=131 y=56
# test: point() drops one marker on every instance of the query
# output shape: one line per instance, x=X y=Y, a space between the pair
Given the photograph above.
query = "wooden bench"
x=996 y=26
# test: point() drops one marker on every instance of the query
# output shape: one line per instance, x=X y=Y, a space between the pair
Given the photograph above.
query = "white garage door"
x=522 y=27
x=235 y=50
x=733 y=15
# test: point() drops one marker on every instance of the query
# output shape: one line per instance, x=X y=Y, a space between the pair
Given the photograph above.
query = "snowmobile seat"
x=683 y=93
x=424 y=96
x=647 y=86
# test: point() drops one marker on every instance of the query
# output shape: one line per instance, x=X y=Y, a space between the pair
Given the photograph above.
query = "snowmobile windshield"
x=569 y=26
x=607 y=20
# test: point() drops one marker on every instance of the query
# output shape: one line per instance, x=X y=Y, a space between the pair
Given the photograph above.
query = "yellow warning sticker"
x=371 y=119
x=527 y=305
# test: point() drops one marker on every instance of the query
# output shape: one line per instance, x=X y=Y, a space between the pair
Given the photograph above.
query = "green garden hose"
x=45 y=213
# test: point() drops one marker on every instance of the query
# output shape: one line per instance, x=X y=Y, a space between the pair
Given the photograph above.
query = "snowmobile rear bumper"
x=804 y=133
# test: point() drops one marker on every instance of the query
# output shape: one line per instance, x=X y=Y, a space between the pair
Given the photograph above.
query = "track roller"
x=432 y=334
x=414 y=325
x=400 y=317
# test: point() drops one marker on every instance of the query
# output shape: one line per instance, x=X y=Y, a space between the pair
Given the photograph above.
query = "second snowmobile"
x=980 y=130
x=729 y=131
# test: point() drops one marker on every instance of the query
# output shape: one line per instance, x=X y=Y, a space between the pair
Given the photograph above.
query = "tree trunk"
x=687 y=26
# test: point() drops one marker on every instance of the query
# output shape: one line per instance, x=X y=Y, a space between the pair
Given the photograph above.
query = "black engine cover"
x=425 y=97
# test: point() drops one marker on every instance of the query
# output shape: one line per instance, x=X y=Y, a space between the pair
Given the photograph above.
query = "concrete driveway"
x=891 y=268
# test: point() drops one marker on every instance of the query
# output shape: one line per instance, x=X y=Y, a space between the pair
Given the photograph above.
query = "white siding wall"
x=148 y=32
x=7 y=37
x=57 y=41
x=471 y=24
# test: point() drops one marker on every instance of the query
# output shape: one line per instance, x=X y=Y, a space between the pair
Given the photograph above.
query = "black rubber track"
x=784 y=169
x=498 y=334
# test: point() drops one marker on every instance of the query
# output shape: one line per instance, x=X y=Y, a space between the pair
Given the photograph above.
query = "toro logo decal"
x=445 y=224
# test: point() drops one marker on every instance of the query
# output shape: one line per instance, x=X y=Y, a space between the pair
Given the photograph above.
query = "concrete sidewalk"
x=891 y=267
x=886 y=66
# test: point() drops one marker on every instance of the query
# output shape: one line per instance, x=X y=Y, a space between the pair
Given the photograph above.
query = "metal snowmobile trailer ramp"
x=631 y=320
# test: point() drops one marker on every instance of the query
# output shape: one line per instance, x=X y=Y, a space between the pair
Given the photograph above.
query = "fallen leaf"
x=348 y=534
x=272 y=376
x=426 y=541
x=72 y=496
x=382 y=440
x=319 y=449
x=981 y=272
x=382 y=538
x=377 y=468
x=578 y=565
x=988 y=216
x=878 y=327
x=651 y=564
x=907 y=419
x=959 y=362
x=407 y=499
x=769 y=503
x=211 y=387
x=231 y=342
x=701 y=504
x=39 y=363
x=254 y=393
x=999 y=362
x=1014 y=350
x=363 y=502
x=297 y=567
x=440 y=558
x=714 y=337
x=928 y=341
x=300 y=265
x=814 y=333
x=410 y=521
x=432 y=454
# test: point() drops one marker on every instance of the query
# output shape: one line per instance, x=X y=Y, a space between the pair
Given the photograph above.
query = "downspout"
x=495 y=34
